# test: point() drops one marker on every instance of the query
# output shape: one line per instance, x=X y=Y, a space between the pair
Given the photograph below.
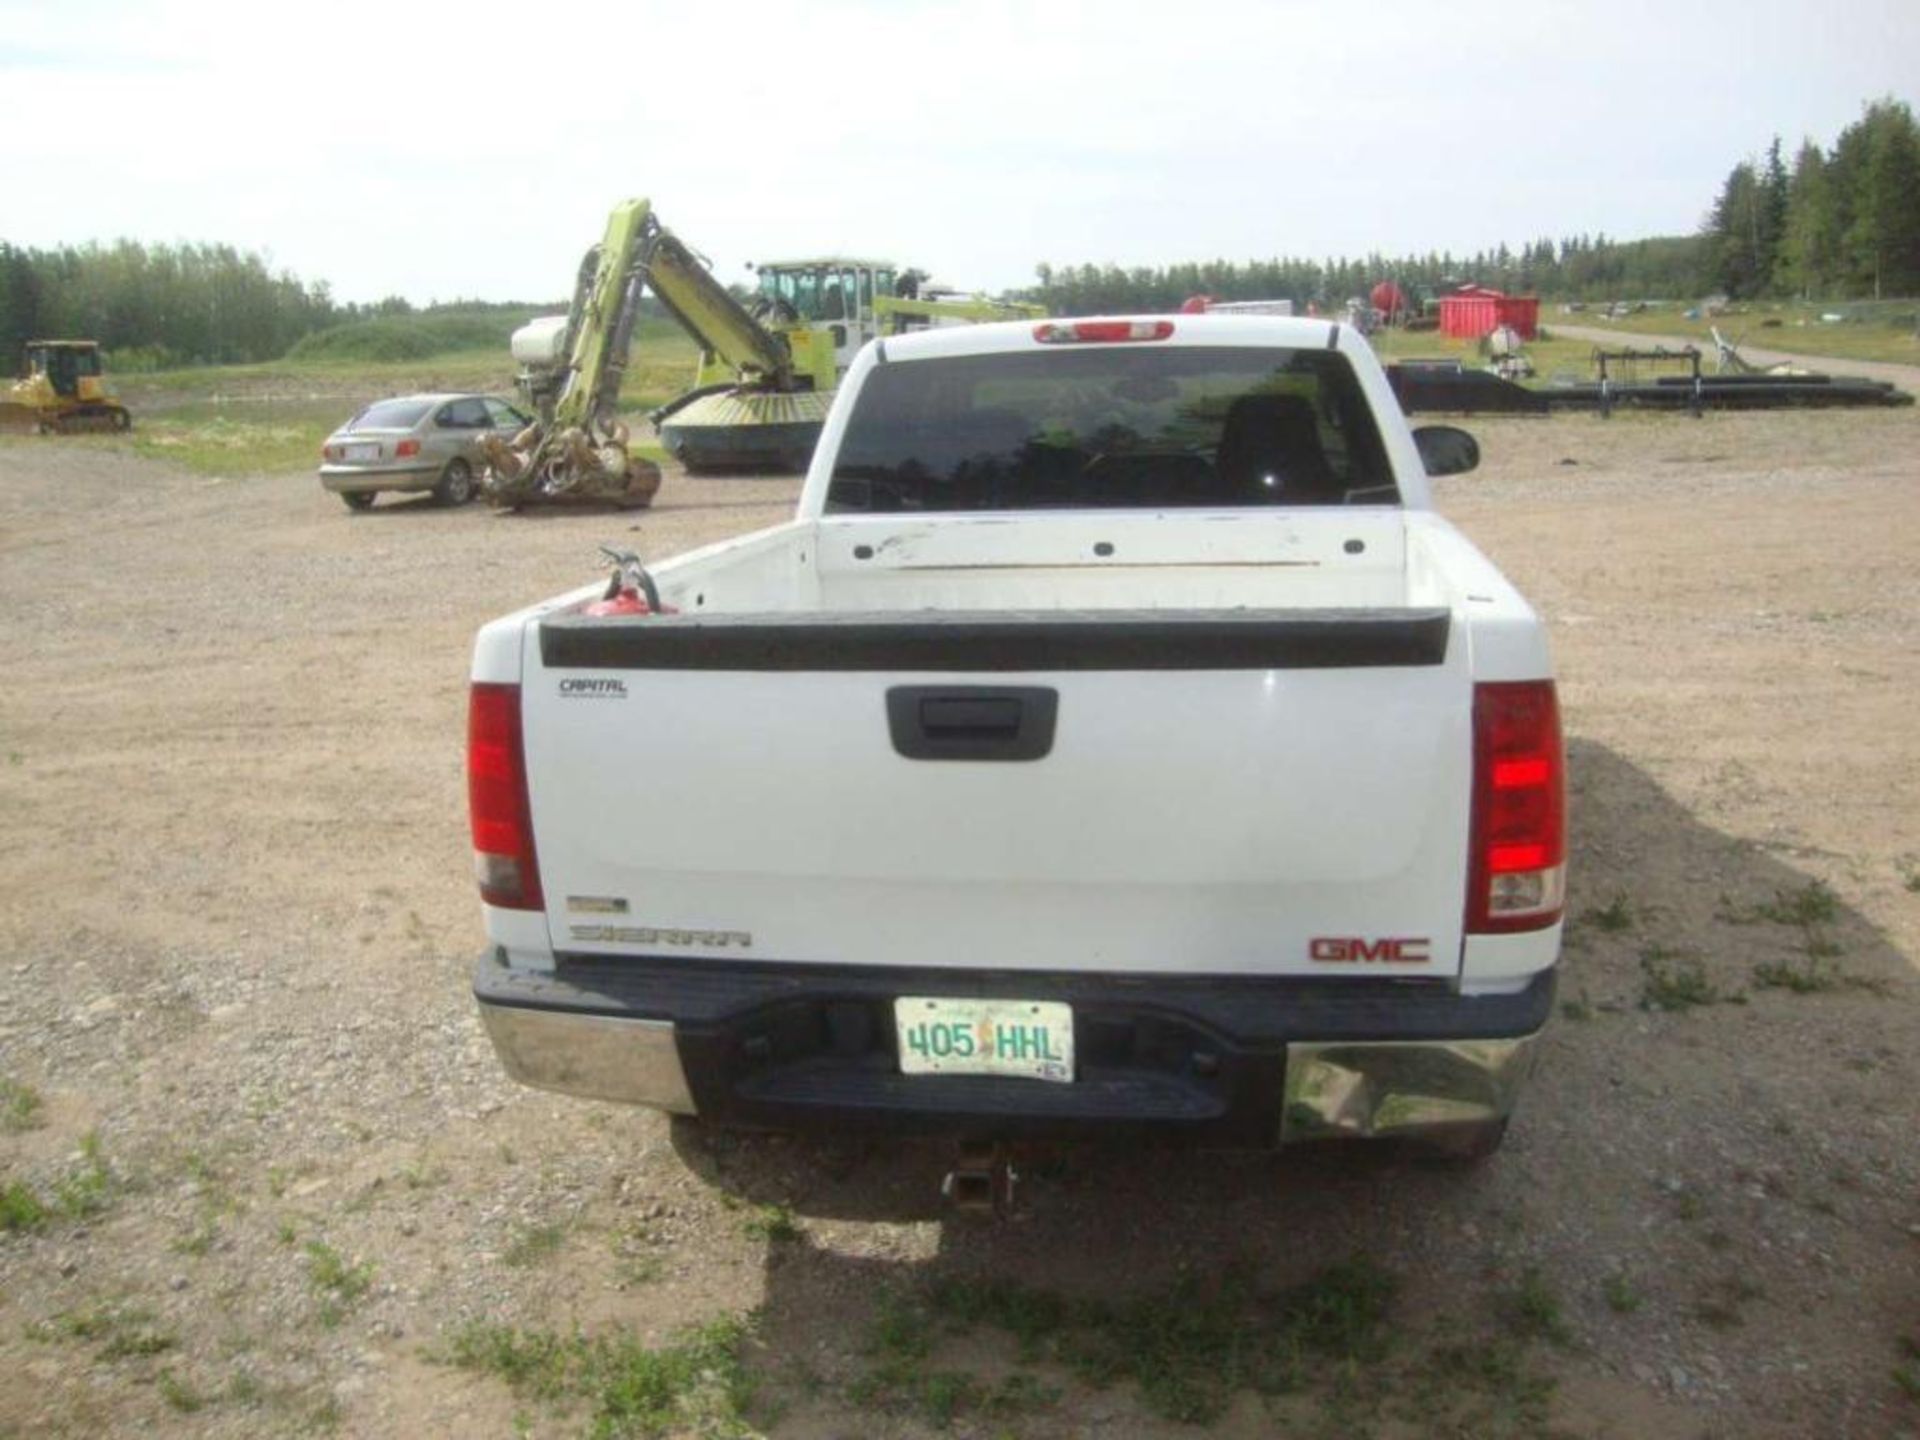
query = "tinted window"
x=1111 y=427
x=390 y=415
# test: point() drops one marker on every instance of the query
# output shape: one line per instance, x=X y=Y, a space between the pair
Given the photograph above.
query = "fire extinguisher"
x=630 y=589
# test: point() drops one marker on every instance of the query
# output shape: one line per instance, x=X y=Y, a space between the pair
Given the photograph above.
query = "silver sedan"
x=415 y=442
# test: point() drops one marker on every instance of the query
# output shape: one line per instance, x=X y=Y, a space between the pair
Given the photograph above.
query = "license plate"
x=1029 y=1038
x=361 y=452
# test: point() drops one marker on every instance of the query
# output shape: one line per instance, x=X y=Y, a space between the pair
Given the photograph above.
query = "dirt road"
x=1907 y=377
x=259 y=1173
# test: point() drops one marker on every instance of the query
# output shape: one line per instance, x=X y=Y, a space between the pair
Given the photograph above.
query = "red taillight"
x=503 y=858
x=1518 y=873
x=406 y=448
x=1098 y=332
x=329 y=452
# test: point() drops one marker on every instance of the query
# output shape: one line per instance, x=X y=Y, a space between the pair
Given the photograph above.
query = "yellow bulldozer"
x=62 y=390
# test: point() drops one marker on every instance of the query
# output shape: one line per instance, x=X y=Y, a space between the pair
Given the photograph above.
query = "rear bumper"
x=347 y=479
x=1238 y=1062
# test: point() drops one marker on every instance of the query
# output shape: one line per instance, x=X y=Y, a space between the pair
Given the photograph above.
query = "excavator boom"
x=717 y=322
x=766 y=376
x=578 y=447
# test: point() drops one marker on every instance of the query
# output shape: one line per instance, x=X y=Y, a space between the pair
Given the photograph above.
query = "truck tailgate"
x=1231 y=792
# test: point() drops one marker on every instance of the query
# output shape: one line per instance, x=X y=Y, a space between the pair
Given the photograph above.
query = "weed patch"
x=695 y=1386
x=1620 y=1295
x=88 y=1189
x=1483 y=1389
x=339 y=1283
x=1669 y=981
x=20 y=1107
x=636 y=1254
x=180 y=1394
x=1533 y=1310
x=85 y=1191
x=772 y=1223
x=1808 y=908
x=1811 y=978
x=1613 y=918
x=1186 y=1351
x=119 y=1331
x=20 y=1207
x=534 y=1244
x=1907 y=1374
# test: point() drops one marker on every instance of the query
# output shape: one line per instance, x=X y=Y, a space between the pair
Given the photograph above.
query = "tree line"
x=1581 y=267
x=1838 y=223
x=1842 y=223
x=159 y=304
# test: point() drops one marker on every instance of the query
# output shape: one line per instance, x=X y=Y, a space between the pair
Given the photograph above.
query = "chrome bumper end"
x=594 y=1057
x=1360 y=1090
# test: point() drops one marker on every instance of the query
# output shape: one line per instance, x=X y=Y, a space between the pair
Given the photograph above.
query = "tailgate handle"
x=972 y=722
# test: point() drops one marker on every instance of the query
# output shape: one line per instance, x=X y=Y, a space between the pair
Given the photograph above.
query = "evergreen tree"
x=1810 y=242
x=1883 y=238
x=1733 y=231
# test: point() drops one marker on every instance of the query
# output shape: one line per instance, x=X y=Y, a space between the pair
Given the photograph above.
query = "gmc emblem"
x=1394 y=950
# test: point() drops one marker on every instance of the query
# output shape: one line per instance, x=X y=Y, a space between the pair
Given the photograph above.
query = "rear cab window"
x=1119 y=427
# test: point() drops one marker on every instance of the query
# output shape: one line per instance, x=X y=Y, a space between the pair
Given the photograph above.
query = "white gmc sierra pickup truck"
x=1116 y=743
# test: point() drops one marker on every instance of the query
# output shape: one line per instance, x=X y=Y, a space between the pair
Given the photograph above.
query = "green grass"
x=390 y=338
x=228 y=421
x=696 y=1385
x=119 y=1331
x=1552 y=358
x=772 y=1223
x=1532 y=1310
x=20 y=1107
x=663 y=359
x=1186 y=1351
x=1620 y=1295
x=338 y=1282
x=20 y=1207
x=87 y=1190
x=230 y=442
x=533 y=1244
x=179 y=1394
x=1883 y=331
x=1811 y=904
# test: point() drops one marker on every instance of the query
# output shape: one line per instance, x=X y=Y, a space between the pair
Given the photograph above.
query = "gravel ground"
x=281 y=1167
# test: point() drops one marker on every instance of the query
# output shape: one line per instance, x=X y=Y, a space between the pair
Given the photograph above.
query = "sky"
x=442 y=152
